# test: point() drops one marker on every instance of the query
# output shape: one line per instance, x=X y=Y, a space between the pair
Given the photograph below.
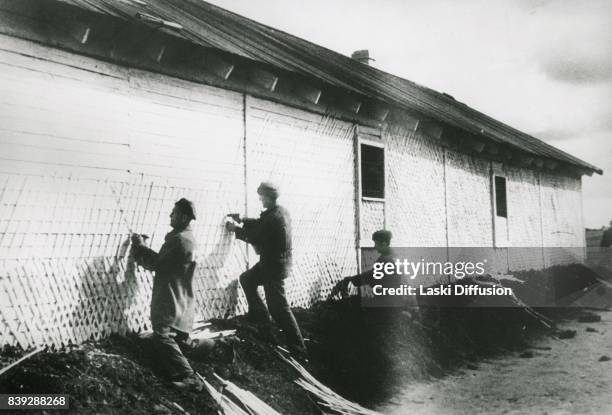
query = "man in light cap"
x=270 y=235
x=172 y=302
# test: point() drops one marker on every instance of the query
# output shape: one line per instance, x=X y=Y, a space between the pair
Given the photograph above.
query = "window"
x=372 y=171
x=501 y=206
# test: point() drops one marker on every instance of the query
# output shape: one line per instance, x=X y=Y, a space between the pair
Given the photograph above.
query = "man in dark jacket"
x=172 y=302
x=382 y=244
x=270 y=235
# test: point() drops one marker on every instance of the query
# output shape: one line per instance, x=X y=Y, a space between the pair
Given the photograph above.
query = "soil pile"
x=117 y=376
x=365 y=355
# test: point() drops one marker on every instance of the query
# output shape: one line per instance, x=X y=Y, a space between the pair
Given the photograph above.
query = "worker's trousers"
x=272 y=279
x=169 y=349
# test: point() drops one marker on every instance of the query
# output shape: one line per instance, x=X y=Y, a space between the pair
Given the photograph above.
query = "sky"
x=542 y=66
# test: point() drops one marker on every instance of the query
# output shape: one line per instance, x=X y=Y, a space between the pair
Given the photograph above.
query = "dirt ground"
x=547 y=376
x=117 y=376
x=443 y=359
x=562 y=377
x=350 y=352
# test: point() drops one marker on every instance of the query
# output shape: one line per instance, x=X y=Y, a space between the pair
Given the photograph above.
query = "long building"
x=113 y=109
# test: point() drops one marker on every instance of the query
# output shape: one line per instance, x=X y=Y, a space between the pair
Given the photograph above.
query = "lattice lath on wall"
x=79 y=174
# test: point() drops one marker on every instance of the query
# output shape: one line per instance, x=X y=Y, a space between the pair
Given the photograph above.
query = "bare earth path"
x=567 y=379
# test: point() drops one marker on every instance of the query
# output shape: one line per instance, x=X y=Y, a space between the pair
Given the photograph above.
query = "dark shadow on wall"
x=113 y=296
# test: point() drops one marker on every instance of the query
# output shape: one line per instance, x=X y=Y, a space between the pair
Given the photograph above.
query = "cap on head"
x=186 y=207
x=382 y=235
x=268 y=189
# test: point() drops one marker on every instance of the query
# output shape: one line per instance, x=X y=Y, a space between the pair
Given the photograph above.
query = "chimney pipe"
x=362 y=56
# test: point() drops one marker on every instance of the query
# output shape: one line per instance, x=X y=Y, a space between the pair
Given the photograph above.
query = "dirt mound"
x=363 y=355
x=104 y=377
x=366 y=355
x=557 y=286
x=114 y=376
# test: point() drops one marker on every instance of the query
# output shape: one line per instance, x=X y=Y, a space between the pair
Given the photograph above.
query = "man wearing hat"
x=382 y=244
x=270 y=235
x=172 y=302
x=387 y=306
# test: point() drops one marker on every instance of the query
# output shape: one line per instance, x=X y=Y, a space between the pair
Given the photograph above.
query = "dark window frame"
x=372 y=171
x=501 y=196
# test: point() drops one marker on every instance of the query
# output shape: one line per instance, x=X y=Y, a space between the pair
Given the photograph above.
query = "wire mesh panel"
x=415 y=210
x=372 y=219
x=311 y=158
x=524 y=220
x=468 y=200
x=190 y=141
x=562 y=219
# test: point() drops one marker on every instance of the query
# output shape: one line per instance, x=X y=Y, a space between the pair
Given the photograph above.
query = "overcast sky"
x=542 y=66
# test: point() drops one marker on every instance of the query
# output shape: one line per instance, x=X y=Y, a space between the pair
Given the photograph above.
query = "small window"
x=372 y=171
x=501 y=205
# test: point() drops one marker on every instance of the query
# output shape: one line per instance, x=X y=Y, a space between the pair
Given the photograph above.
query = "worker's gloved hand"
x=235 y=216
x=231 y=224
x=137 y=240
x=341 y=288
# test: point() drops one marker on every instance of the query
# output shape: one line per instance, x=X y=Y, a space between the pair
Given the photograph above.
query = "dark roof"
x=212 y=26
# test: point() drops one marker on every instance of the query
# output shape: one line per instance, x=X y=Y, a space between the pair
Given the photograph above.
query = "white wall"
x=90 y=151
x=435 y=195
